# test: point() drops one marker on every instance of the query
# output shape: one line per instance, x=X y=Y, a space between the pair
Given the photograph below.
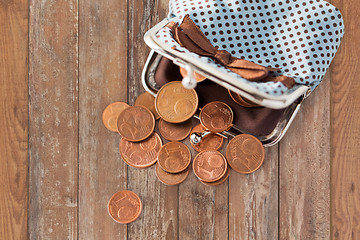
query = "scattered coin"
x=141 y=154
x=216 y=116
x=209 y=166
x=135 y=123
x=241 y=100
x=220 y=181
x=176 y=104
x=174 y=131
x=174 y=157
x=245 y=153
x=125 y=206
x=111 y=114
x=147 y=100
x=211 y=141
x=198 y=77
x=171 y=178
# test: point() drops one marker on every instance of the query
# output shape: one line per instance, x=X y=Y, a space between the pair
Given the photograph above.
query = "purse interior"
x=258 y=121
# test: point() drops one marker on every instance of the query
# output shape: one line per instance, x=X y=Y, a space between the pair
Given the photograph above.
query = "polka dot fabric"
x=300 y=37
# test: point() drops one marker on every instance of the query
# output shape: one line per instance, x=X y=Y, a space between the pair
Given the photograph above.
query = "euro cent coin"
x=211 y=141
x=174 y=157
x=176 y=104
x=174 y=131
x=245 y=153
x=111 y=114
x=171 y=178
x=124 y=206
x=216 y=116
x=141 y=154
x=198 y=77
x=209 y=166
x=147 y=100
x=135 y=123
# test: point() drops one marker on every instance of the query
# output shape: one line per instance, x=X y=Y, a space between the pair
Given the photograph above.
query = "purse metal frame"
x=149 y=83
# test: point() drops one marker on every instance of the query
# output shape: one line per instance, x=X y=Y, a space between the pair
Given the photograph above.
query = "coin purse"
x=294 y=39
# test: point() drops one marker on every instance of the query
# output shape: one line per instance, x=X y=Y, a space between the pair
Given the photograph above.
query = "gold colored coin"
x=176 y=104
x=111 y=114
x=147 y=100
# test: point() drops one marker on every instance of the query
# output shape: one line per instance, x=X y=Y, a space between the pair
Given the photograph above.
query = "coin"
x=209 y=166
x=216 y=116
x=111 y=114
x=141 y=154
x=209 y=142
x=220 y=181
x=135 y=123
x=241 y=100
x=176 y=104
x=125 y=206
x=174 y=131
x=245 y=153
x=171 y=178
x=147 y=100
x=174 y=157
x=198 y=77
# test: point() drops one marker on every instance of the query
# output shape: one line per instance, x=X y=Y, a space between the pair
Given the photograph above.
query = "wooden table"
x=63 y=62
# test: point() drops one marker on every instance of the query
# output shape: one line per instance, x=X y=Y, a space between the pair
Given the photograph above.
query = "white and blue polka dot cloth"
x=299 y=36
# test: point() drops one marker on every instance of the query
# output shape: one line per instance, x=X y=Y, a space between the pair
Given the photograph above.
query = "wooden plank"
x=13 y=119
x=305 y=170
x=102 y=80
x=203 y=210
x=159 y=217
x=345 y=128
x=253 y=201
x=53 y=127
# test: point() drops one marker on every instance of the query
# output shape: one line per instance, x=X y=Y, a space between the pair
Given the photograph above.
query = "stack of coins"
x=174 y=106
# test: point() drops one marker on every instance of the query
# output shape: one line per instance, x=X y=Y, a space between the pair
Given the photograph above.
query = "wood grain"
x=102 y=80
x=345 y=128
x=13 y=119
x=53 y=128
x=160 y=202
x=253 y=201
x=305 y=170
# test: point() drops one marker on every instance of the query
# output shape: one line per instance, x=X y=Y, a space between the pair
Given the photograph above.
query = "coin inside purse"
x=268 y=125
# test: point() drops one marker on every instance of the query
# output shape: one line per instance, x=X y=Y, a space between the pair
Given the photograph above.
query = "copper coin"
x=135 y=123
x=111 y=114
x=174 y=157
x=198 y=77
x=125 y=206
x=141 y=154
x=147 y=100
x=209 y=142
x=245 y=153
x=176 y=104
x=216 y=116
x=241 y=100
x=171 y=178
x=220 y=181
x=174 y=131
x=209 y=166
